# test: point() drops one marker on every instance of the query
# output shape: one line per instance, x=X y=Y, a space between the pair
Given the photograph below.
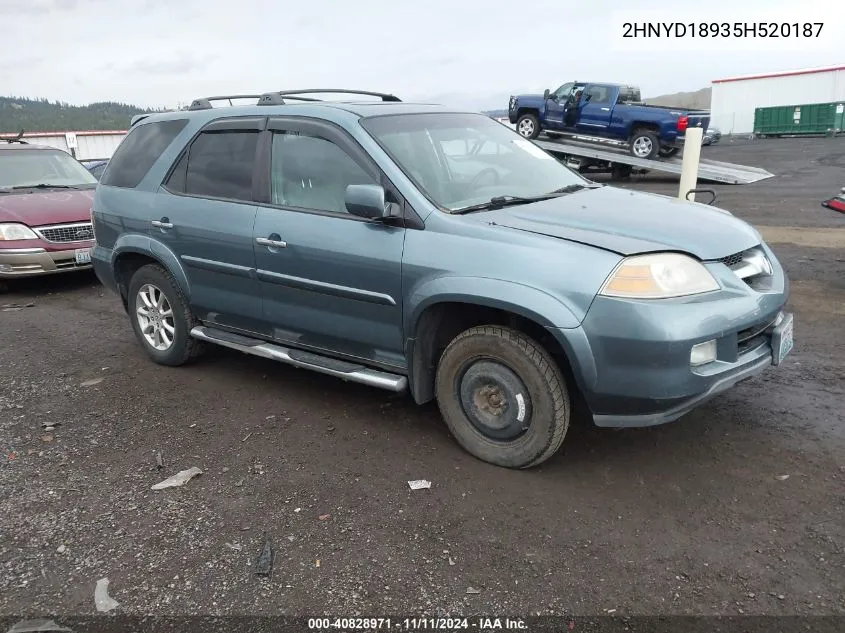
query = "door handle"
x=162 y=224
x=605 y=109
x=264 y=241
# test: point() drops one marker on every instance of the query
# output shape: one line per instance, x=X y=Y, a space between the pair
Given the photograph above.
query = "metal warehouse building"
x=733 y=100
x=89 y=145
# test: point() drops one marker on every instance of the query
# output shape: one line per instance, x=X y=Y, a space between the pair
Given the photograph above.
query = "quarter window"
x=137 y=153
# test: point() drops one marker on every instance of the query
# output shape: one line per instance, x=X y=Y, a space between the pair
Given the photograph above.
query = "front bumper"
x=36 y=261
x=631 y=359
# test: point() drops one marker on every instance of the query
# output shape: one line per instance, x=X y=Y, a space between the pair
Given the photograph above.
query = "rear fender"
x=154 y=249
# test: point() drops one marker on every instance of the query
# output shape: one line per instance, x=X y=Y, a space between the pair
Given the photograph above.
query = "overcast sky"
x=468 y=53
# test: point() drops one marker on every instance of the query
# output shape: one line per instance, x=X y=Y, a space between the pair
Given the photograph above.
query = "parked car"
x=45 y=211
x=605 y=112
x=412 y=247
x=96 y=167
x=712 y=136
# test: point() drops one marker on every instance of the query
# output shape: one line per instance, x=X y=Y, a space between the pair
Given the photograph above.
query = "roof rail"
x=291 y=93
x=280 y=97
x=15 y=139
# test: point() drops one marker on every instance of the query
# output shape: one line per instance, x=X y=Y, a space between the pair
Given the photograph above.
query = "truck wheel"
x=644 y=144
x=502 y=396
x=161 y=317
x=666 y=152
x=528 y=126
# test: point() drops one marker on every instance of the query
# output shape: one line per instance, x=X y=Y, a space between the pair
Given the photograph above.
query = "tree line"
x=41 y=115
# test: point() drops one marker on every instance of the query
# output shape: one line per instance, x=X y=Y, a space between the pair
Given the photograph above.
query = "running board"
x=339 y=368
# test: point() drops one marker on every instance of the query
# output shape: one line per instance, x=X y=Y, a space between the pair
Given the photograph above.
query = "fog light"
x=703 y=353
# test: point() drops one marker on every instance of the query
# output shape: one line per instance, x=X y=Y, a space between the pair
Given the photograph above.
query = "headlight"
x=16 y=232
x=658 y=276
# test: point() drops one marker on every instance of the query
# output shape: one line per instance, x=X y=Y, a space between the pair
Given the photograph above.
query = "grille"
x=752 y=337
x=67 y=232
x=732 y=260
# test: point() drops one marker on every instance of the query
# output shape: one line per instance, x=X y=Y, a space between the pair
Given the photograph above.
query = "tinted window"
x=312 y=173
x=139 y=150
x=219 y=165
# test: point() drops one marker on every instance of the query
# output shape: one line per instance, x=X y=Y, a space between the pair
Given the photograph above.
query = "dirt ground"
x=736 y=508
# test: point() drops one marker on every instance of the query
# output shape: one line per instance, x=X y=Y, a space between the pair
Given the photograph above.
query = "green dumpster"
x=809 y=118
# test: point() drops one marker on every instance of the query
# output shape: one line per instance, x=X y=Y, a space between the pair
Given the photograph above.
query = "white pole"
x=689 y=164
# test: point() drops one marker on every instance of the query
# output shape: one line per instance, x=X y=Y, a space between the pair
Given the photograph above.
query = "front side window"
x=597 y=94
x=459 y=160
x=310 y=172
x=563 y=92
x=23 y=168
x=218 y=164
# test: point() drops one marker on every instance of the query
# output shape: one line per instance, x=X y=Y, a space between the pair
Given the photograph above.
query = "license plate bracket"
x=782 y=339
x=83 y=256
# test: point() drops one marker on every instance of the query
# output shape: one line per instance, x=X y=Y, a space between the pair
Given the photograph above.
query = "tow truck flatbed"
x=619 y=162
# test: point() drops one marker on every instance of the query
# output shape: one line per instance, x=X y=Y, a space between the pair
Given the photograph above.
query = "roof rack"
x=15 y=139
x=280 y=97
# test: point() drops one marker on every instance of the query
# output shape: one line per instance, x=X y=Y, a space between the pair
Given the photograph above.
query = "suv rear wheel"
x=502 y=396
x=161 y=317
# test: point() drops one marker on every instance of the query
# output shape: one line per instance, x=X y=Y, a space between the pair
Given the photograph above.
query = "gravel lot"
x=737 y=508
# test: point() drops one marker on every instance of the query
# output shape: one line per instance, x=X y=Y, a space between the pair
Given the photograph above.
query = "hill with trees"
x=41 y=115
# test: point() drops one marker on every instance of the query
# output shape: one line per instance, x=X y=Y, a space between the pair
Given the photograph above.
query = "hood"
x=62 y=206
x=628 y=222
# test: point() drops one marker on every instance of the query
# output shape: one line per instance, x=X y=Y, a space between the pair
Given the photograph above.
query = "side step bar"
x=307 y=360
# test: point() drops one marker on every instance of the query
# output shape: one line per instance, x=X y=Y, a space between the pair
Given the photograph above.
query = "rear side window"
x=219 y=164
x=139 y=151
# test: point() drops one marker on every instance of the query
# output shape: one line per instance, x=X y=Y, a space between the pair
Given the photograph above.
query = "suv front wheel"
x=161 y=317
x=502 y=396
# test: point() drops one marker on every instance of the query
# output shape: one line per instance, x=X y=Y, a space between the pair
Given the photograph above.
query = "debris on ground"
x=49 y=426
x=234 y=546
x=92 y=382
x=317 y=564
x=264 y=563
x=324 y=517
x=61 y=549
x=473 y=590
x=14 y=307
x=35 y=626
x=451 y=562
x=46 y=438
x=419 y=484
x=179 y=479
x=159 y=460
x=782 y=477
x=102 y=600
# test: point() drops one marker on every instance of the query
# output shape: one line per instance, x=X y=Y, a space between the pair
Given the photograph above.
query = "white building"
x=733 y=100
x=90 y=145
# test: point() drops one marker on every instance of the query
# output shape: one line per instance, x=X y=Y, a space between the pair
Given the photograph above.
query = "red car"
x=45 y=211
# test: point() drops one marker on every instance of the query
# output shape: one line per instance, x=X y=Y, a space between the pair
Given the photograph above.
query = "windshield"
x=23 y=168
x=459 y=160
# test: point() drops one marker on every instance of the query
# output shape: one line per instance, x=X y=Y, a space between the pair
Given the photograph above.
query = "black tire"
x=647 y=137
x=183 y=348
x=666 y=152
x=536 y=420
x=535 y=125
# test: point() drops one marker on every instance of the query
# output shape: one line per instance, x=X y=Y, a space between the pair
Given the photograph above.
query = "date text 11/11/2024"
x=722 y=30
x=481 y=624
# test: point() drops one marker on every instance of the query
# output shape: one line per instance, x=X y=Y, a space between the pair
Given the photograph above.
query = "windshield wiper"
x=500 y=202
x=43 y=185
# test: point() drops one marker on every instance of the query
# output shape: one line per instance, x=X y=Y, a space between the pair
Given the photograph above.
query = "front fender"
x=534 y=304
x=150 y=247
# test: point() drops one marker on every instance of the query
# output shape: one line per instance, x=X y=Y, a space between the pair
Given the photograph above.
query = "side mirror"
x=546 y=94
x=366 y=201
